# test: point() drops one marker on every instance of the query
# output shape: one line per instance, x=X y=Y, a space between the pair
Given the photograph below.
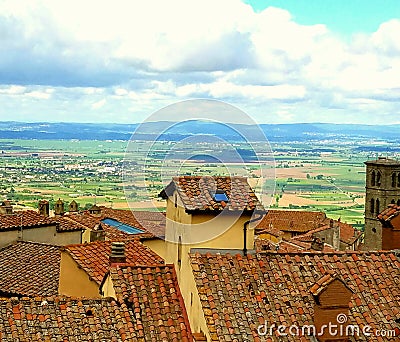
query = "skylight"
x=122 y=226
x=220 y=195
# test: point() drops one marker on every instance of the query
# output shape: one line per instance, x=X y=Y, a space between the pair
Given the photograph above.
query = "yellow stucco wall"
x=156 y=245
x=199 y=231
x=74 y=281
x=47 y=234
x=107 y=288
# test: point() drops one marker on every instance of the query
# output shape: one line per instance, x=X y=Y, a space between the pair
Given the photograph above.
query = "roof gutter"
x=261 y=214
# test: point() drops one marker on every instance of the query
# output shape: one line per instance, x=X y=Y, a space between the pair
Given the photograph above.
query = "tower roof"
x=384 y=161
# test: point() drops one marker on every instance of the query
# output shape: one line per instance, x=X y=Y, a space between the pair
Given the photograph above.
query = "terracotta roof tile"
x=29 y=269
x=274 y=287
x=26 y=219
x=65 y=319
x=154 y=299
x=389 y=213
x=94 y=257
x=292 y=220
x=152 y=223
x=197 y=193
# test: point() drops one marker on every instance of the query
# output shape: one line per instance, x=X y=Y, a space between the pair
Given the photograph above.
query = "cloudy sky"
x=279 y=61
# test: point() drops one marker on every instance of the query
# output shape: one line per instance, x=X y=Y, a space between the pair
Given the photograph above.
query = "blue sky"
x=281 y=61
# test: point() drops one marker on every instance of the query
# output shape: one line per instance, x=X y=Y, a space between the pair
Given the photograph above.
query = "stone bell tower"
x=382 y=188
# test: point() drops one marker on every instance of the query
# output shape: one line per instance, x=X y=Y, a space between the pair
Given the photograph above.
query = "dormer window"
x=220 y=195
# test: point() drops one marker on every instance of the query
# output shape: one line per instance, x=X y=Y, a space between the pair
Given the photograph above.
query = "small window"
x=179 y=252
x=398 y=202
x=393 y=201
x=393 y=180
x=373 y=175
x=220 y=195
x=378 y=178
x=377 y=207
x=372 y=206
x=398 y=180
x=374 y=230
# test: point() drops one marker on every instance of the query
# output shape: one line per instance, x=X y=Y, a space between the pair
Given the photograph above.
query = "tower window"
x=373 y=175
x=372 y=206
x=398 y=202
x=393 y=201
x=377 y=206
x=378 y=178
x=398 y=180
x=393 y=180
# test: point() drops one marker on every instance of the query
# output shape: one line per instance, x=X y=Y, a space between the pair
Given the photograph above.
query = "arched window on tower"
x=393 y=180
x=398 y=202
x=372 y=206
x=377 y=207
x=373 y=175
x=378 y=178
x=392 y=201
x=398 y=180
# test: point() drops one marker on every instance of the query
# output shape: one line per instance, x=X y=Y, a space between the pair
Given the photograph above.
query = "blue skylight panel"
x=122 y=226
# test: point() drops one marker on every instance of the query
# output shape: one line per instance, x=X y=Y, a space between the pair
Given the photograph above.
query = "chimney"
x=117 y=253
x=59 y=207
x=317 y=244
x=73 y=207
x=336 y=236
x=44 y=208
x=6 y=207
x=97 y=234
x=332 y=298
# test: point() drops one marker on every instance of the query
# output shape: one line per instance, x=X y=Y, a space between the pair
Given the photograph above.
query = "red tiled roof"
x=389 y=213
x=65 y=319
x=240 y=293
x=348 y=234
x=94 y=257
x=66 y=224
x=153 y=296
x=26 y=219
x=292 y=220
x=197 y=192
x=291 y=245
x=29 y=269
x=151 y=222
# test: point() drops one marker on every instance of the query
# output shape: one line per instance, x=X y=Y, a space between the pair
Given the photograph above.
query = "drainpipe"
x=245 y=231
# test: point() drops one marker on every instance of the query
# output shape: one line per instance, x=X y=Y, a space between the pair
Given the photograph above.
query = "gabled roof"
x=292 y=220
x=153 y=291
x=93 y=257
x=25 y=219
x=240 y=293
x=29 y=269
x=65 y=319
x=153 y=223
x=196 y=193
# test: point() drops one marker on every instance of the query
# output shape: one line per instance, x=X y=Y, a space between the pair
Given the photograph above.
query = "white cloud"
x=137 y=56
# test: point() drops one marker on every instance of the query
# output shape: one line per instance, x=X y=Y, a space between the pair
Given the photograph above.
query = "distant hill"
x=177 y=131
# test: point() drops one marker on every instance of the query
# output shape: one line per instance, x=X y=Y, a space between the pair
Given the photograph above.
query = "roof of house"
x=154 y=299
x=389 y=213
x=197 y=193
x=25 y=219
x=65 y=319
x=292 y=220
x=152 y=223
x=93 y=257
x=240 y=293
x=348 y=234
x=287 y=245
x=29 y=269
